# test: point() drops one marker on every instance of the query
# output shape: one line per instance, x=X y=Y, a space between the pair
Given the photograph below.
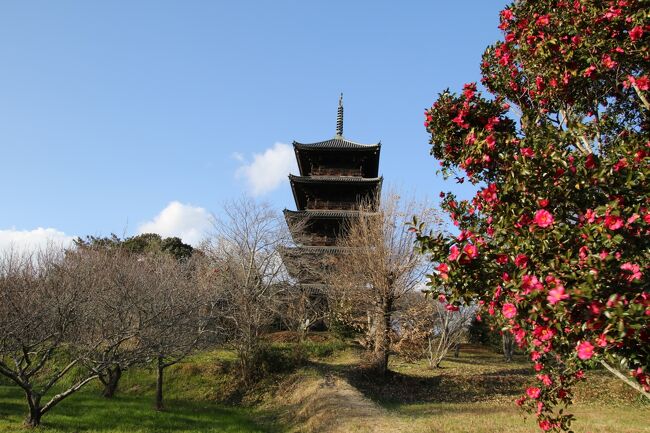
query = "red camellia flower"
x=543 y=20
x=521 y=261
x=533 y=392
x=509 y=310
x=454 y=252
x=636 y=33
x=643 y=83
x=471 y=251
x=585 y=350
x=613 y=222
x=543 y=218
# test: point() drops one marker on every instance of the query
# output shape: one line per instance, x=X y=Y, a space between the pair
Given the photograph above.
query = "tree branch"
x=625 y=379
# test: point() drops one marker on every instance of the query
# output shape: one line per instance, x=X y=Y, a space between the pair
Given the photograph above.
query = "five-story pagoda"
x=336 y=175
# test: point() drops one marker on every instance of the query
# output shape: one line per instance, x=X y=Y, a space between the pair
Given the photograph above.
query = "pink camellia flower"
x=530 y=283
x=543 y=218
x=527 y=151
x=556 y=295
x=613 y=222
x=634 y=269
x=509 y=310
x=471 y=251
x=545 y=379
x=450 y=307
x=533 y=392
x=608 y=62
x=545 y=425
x=454 y=252
x=585 y=350
x=521 y=261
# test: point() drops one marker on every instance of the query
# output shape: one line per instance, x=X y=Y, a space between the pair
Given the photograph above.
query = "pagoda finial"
x=339 y=118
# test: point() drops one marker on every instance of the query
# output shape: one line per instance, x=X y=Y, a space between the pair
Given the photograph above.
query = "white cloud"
x=33 y=240
x=190 y=223
x=268 y=170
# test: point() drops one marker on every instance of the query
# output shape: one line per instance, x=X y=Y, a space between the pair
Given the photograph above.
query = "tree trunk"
x=111 y=380
x=35 y=411
x=508 y=346
x=159 y=385
x=457 y=350
x=382 y=339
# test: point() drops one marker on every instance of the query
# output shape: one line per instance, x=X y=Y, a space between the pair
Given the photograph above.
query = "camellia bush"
x=556 y=243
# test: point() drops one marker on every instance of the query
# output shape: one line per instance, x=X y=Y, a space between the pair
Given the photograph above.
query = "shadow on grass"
x=441 y=386
x=87 y=412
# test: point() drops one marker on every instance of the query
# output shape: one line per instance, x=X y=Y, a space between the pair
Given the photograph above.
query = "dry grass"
x=470 y=394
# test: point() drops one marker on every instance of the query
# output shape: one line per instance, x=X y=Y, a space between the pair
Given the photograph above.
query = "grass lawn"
x=474 y=393
x=190 y=399
x=88 y=412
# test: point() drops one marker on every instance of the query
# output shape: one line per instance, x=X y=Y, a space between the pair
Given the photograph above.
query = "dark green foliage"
x=146 y=243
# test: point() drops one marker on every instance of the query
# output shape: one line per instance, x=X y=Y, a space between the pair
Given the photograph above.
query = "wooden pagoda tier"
x=305 y=263
x=318 y=227
x=338 y=157
x=333 y=192
x=336 y=175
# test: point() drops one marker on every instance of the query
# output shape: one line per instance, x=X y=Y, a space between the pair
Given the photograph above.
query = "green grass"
x=87 y=412
x=192 y=390
x=471 y=394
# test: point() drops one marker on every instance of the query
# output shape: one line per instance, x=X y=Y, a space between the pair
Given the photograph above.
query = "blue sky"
x=111 y=111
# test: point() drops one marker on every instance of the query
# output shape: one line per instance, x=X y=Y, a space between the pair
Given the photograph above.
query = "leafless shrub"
x=248 y=278
x=378 y=268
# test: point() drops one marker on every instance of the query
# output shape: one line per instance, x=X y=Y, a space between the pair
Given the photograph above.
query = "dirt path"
x=317 y=403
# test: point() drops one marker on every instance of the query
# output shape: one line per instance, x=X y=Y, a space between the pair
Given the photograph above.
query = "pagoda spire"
x=339 y=118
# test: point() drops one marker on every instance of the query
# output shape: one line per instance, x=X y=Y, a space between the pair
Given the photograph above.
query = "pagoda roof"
x=299 y=183
x=317 y=214
x=337 y=143
x=334 y=179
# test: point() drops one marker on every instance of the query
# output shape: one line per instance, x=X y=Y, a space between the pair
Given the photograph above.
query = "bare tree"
x=249 y=276
x=118 y=306
x=176 y=310
x=448 y=331
x=430 y=328
x=301 y=308
x=47 y=315
x=377 y=268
